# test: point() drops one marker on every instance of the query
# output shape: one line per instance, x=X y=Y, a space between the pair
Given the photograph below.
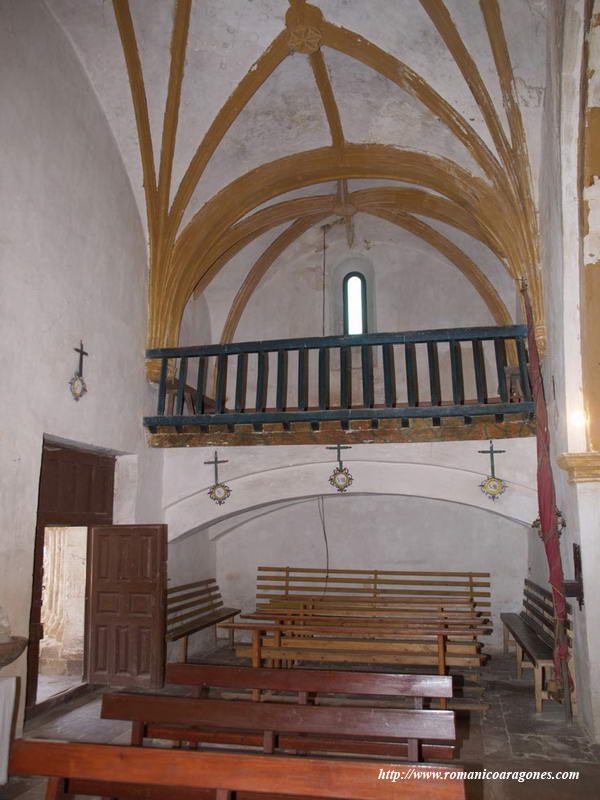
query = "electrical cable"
x=321 y=510
x=325 y=229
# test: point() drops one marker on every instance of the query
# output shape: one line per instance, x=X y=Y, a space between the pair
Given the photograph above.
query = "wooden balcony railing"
x=415 y=374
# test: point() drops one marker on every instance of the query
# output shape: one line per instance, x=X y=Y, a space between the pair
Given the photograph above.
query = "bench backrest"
x=310 y=680
x=306 y=777
x=279 y=717
x=538 y=612
x=273 y=583
x=190 y=601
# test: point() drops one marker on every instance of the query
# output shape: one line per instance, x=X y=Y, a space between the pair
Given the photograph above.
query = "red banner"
x=547 y=495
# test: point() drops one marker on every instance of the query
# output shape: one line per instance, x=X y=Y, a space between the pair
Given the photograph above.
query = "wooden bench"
x=138 y=773
x=361 y=607
x=192 y=607
x=351 y=585
x=309 y=685
x=419 y=645
x=532 y=631
x=347 y=730
x=433 y=619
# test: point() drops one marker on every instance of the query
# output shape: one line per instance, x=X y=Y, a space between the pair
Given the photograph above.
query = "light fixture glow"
x=578 y=418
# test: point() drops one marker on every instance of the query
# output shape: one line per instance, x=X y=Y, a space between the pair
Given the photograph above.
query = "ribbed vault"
x=495 y=207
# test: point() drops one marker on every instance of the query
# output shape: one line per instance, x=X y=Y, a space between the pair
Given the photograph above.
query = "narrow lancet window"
x=355 y=304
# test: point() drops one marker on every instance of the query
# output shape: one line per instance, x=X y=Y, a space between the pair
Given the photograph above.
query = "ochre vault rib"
x=497 y=210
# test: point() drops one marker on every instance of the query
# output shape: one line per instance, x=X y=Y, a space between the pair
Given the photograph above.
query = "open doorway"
x=75 y=493
x=62 y=656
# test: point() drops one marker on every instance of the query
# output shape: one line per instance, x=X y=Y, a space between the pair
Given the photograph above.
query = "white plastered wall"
x=418 y=505
x=73 y=264
x=375 y=532
x=561 y=257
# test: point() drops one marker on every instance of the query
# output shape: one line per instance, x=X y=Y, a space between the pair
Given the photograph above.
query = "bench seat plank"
x=199 y=623
x=193 y=607
x=316 y=654
x=304 y=777
x=392 y=684
x=246 y=715
x=527 y=638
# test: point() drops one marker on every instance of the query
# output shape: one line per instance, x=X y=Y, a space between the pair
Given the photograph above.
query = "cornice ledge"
x=581 y=467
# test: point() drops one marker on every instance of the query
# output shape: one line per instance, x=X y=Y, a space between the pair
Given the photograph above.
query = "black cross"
x=215 y=460
x=492 y=453
x=82 y=353
x=339 y=448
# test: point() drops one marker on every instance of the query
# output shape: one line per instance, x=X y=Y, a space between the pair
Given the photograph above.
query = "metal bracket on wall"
x=574 y=588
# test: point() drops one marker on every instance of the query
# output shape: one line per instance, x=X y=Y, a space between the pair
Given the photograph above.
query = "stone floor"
x=51 y=685
x=509 y=736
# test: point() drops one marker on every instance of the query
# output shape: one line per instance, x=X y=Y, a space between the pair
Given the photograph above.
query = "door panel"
x=76 y=488
x=126 y=607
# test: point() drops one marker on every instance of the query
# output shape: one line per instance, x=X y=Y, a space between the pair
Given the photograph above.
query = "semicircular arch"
x=194 y=511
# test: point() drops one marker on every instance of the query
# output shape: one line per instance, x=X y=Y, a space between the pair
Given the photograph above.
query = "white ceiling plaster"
x=327 y=187
x=488 y=262
x=374 y=109
x=226 y=39
x=284 y=117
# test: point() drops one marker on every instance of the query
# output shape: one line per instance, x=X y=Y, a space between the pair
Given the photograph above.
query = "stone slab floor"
x=509 y=736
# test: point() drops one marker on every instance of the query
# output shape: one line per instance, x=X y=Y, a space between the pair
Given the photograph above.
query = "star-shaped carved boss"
x=304 y=39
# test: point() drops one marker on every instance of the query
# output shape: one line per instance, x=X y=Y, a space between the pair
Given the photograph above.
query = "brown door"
x=126 y=605
x=76 y=488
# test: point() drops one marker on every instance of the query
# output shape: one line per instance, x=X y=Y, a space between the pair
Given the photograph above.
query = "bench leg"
x=138 y=732
x=255 y=648
x=55 y=788
x=413 y=750
x=441 y=643
x=571 y=663
x=519 y=656
x=538 y=681
x=184 y=649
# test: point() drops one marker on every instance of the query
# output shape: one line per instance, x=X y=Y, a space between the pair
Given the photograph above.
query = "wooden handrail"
x=238 y=405
x=314 y=343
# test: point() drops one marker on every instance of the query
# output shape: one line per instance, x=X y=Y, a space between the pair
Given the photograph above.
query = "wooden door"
x=76 y=488
x=126 y=605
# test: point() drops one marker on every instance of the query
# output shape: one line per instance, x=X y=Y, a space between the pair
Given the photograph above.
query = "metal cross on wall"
x=219 y=492
x=77 y=384
x=492 y=486
x=215 y=460
x=492 y=453
x=339 y=448
x=82 y=353
x=340 y=478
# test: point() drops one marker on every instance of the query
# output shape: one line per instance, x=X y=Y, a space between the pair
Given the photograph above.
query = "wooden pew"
x=532 y=631
x=192 y=607
x=395 y=733
x=304 y=617
x=351 y=585
x=383 y=609
x=159 y=774
x=419 y=644
x=306 y=682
